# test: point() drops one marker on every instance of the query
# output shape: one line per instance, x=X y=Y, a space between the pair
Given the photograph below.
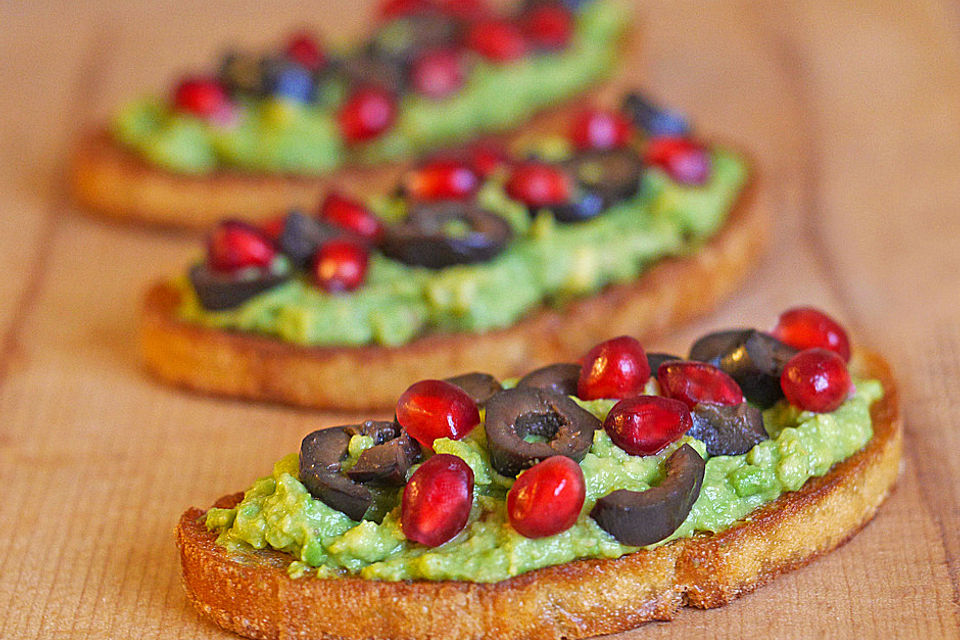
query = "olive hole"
x=543 y=425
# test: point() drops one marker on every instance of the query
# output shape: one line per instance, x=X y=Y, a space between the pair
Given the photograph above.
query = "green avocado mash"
x=278 y=511
x=271 y=135
x=546 y=263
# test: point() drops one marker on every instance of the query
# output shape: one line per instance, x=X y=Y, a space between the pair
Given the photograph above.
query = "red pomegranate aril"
x=486 y=158
x=432 y=409
x=443 y=179
x=390 y=9
x=351 y=215
x=437 y=74
x=273 y=227
x=600 y=129
x=234 y=245
x=437 y=499
x=695 y=382
x=617 y=368
x=808 y=327
x=548 y=26
x=304 y=49
x=537 y=184
x=547 y=498
x=467 y=10
x=497 y=40
x=816 y=380
x=684 y=161
x=202 y=97
x=340 y=265
x=366 y=114
x=644 y=425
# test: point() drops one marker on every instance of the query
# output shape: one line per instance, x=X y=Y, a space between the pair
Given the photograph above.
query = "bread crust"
x=251 y=593
x=261 y=368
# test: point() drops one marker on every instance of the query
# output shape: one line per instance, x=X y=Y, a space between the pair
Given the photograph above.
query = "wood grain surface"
x=852 y=110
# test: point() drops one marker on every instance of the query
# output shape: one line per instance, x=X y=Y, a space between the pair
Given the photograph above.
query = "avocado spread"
x=284 y=136
x=546 y=263
x=278 y=512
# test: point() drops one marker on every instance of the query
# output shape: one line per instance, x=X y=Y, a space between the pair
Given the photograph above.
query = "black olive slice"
x=612 y=174
x=559 y=378
x=372 y=69
x=514 y=414
x=244 y=74
x=302 y=234
x=655 y=359
x=639 y=518
x=447 y=233
x=387 y=462
x=405 y=38
x=321 y=453
x=753 y=358
x=479 y=386
x=727 y=430
x=584 y=206
x=217 y=291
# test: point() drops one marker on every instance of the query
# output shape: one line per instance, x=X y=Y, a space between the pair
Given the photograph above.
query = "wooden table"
x=852 y=111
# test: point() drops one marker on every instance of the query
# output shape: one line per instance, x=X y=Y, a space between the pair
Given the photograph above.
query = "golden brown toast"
x=252 y=594
x=261 y=368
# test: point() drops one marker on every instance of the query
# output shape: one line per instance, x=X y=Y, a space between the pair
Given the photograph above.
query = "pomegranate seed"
x=548 y=26
x=273 y=227
x=351 y=215
x=340 y=265
x=203 y=97
x=437 y=74
x=437 y=500
x=816 y=380
x=467 y=10
x=234 y=245
x=304 y=49
x=497 y=40
x=547 y=498
x=695 y=382
x=600 y=129
x=643 y=425
x=432 y=409
x=808 y=327
x=617 y=368
x=367 y=113
x=390 y=9
x=486 y=158
x=442 y=180
x=539 y=185
x=684 y=160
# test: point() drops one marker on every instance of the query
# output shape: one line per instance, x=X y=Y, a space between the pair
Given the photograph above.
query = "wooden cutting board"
x=853 y=112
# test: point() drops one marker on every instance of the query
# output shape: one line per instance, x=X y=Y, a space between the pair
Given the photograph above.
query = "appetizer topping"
x=235 y=245
x=389 y=459
x=390 y=9
x=526 y=425
x=616 y=368
x=816 y=380
x=807 y=327
x=479 y=386
x=537 y=185
x=304 y=48
x=245 y=74
x=655 y=359
x=547 y=498
x=340 y=265
x=301 y=235
x=696 y=382
x=486 y=158
x=367 y=112
x=351 y=215
x=653 y=120
x=293 y=82
x=432 y=409
x=437 y=500
x=217 y=290
x=202 y=97
x=497 y=40
x=548 y=26
x=559 y=378
x=644 y=425
x=611 y=176
x=407 y=38
x=727 y=430
x=372 y=69
x=639 y=518
x=600 y=129
x=684 y=160
x=442 y=179
x=437 y=74
x=447 y=233
x=321 y=455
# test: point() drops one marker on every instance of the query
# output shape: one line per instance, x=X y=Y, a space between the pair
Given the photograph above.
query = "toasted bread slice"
x=251 y=593
x=261 y=368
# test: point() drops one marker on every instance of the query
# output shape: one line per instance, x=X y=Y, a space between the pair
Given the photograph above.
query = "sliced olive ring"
x=372 y=68
x=559 y=378
x=423 y=238
x=752 y=358
x=302 y=234
x=479 y=386
x=217 y=291
x=605 y=178
x=639 y=518
x=514 y=414
x=323 y=452
x=403 y=39
x=727 y=430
